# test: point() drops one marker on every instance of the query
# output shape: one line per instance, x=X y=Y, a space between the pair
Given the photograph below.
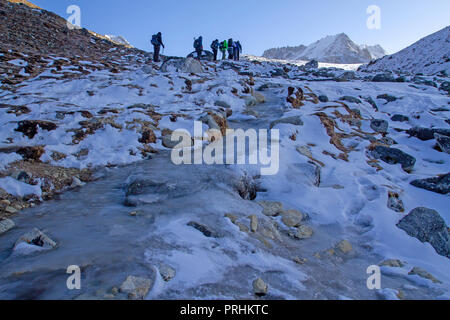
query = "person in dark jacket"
x=157 y=43
x=198 y=46
x=239 y=50
x=215 y=48
x=230 y=49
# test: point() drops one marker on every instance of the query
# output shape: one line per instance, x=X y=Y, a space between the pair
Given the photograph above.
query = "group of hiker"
x=233 y=48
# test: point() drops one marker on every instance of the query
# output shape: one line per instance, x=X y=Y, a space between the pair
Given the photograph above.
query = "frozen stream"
x=94 y=230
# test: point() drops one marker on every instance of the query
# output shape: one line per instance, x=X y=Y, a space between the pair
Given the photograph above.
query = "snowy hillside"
x=332 y=49
x=430 y=55
x=118 y=39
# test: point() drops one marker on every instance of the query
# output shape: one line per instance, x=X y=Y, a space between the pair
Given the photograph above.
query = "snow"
x=19 y=189
x=428 y=56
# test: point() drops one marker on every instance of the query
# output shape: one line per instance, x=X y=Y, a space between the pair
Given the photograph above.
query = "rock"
x=346 y=76
x=313 y=64
x=167 y=272
x=399 y=118
x=392 y=263
x=292 y=218
x=188 y=65
x=222 y=104
x=278 y=72
x=426 y=134
x=423 y=81
x=76 y=183
x=268 y=86
x=380 y=126
x=387 y=97
x=10 y=210
x=445 y=86
x=148 y=136
x=170 y=144
x=383 y=77
x=247 y=188
x=439 y=184
x=192 y=65
x=31 y=153
x=416 y=271
x=260 y=98
x=36 y=238
x=302 y=233
x=270 y=208
x=260 y=288
x=427 y=225
x=6 y=225
x=250 y=101
x=30 y=127
x=394 y=156
x=395 y=203
x=203 y=229
x=388 y=141
x=295 y=120
x=323 y=98
x=443 y=142
x=350 y=99
x=344 y=247
x=300 y=261
x=136 y=288
x=216 y=121
x=253 y=223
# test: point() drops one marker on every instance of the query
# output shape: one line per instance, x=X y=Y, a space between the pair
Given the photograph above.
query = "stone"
x=203 y=229
x=344 y=247
x=445 y=86
x=170 y=144
x=443 y=142
x=10 y=210
x=387 y=97
x=380 y=126
x=268 y=86
x=295 y=120
x=416 y=271
x=439 y=184
x=426 y=134
x=394 y=156
x=247 y=188
x=192 y=65
x=253 y=223
x=167 y=272
x=427 y=225
x=346 y=76
x=260 y=98
x=222 y=104
x=30 y=127
x=392 y=263
x=399 y=118
x=313 y=64
x=148 y=136
x=76 y=183
x=270 y=208
x=323 y=98
x=260 y=288
x=302 y=233
x=395 y=203
x=6 y=225
x=37 y=238
x=136 y=288
x=383 y=77
x=31 y=153
x=350 y=99
x=300 y=261
x=292 y=218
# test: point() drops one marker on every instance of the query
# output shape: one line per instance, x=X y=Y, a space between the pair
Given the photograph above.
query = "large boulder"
x=394 y=156
x=380 y=126
x=427 y=226
x=206 y=55
x=136 y=288
x=313 y=64
x=383 y=77
x=426 y=134
x=440 y=184
x=443 y=142
x=188 y=65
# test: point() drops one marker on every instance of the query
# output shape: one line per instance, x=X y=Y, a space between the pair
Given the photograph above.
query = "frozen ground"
x=347 y=201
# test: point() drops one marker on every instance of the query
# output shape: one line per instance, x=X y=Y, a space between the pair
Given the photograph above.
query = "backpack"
x=155 y=41
x=215 y=45
x=197 y=43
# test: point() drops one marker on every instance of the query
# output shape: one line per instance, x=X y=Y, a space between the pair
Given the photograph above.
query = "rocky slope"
x=429 y=56
x=332 y=49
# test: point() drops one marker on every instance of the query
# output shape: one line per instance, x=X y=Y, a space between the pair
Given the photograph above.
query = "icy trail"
x=95 y=231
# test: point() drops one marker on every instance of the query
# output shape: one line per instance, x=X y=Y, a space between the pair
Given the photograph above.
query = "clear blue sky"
x=258 y=24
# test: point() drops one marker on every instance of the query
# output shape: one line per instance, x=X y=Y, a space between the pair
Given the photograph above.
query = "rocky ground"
x=363 y=180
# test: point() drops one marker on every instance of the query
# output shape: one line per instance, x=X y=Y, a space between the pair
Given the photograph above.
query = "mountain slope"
x=429 y=55
x=332 y=49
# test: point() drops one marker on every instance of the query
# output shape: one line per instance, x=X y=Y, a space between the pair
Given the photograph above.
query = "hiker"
x=157 y=43
x=224 y=49
x=198 y=46
x=215 y=48
x=239 y=50
x=230 y=49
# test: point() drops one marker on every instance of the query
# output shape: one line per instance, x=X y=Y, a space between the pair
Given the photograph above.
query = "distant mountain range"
x=331 y=49
x=429 y=55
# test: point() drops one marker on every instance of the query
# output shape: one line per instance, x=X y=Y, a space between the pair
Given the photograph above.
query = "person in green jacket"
x=224 y=48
